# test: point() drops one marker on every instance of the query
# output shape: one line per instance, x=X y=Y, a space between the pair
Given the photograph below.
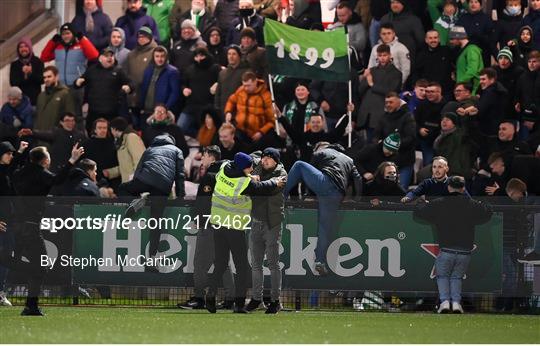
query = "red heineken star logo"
x=434 y=250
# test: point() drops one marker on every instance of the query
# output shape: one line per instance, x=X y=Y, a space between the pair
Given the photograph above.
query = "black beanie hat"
x=272 y=153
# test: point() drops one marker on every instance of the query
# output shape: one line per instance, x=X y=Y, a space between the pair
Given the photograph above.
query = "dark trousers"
x=157 y=202
x=230 y=241
x=29 y=243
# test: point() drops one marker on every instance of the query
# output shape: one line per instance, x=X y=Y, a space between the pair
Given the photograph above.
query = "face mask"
x=391 y=177
x=513 y=10
x=246 y=12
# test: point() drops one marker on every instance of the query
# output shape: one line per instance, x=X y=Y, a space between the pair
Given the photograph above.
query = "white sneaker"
x=3 y=300
x=457 y=308
x=444 y=308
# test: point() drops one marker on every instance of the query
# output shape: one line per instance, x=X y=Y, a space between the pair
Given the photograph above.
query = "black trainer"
x=239 y=307
x=227 y=304
x=195 y=303
x=32 y=312
x=211 y=304
x=253 y=305
x=273 y=308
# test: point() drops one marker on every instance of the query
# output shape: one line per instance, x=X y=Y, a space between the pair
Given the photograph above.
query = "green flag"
x=306 y=54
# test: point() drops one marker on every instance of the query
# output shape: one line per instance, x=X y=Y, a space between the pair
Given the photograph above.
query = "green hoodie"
x=469 y=64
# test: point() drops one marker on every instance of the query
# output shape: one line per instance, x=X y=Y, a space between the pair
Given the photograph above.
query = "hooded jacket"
x=400 y=58
x=137 y=62
x=533 y=20
x=199 y=77
x=252 y=112
x=161 y=165
x=167 y=87
x=71 y=58
x=102 y=28
x=120 y=51
x=131 y=22
x=24 y=114
x=30 y=84
x=507 y=28
x=520 y=51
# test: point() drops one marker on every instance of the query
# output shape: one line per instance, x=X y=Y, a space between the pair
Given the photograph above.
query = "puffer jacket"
x=70 y=59
x=24 y=112
x=253 y=112
x=339 y=167
x=161 y=165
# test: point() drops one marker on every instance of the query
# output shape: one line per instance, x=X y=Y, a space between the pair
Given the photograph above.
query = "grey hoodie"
x=120 y=52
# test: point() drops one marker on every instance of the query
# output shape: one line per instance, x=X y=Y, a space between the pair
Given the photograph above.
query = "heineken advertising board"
x=373 y=250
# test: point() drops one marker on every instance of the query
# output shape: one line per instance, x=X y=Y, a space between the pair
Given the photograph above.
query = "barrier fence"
x=382 y=259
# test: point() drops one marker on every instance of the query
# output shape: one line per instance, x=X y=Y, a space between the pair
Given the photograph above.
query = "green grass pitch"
x=158 y=325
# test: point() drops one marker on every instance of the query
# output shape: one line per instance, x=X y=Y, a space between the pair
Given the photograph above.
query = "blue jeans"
x=188 y=124
x=450 y=268
x=329 y=197
x=427 y=151
x=405 y=176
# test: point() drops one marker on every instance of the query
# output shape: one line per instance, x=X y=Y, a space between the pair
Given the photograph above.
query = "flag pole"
x=349 y=113
x=271 y=87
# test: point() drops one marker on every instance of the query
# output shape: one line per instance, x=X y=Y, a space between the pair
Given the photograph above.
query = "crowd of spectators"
x=451 y=79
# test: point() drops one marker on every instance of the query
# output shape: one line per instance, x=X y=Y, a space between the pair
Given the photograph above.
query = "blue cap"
x=243 y=160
